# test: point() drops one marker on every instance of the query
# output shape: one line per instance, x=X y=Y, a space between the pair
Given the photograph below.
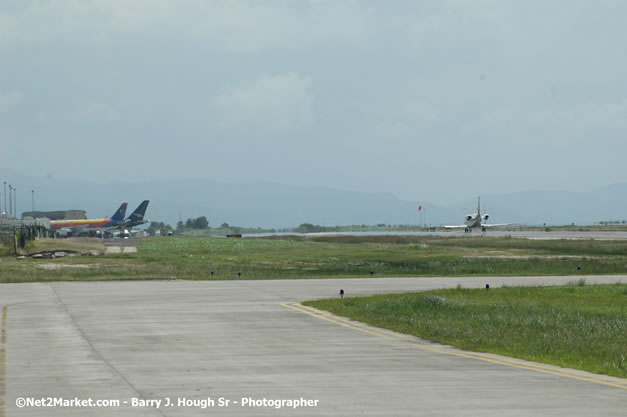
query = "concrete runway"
x=525 y=234
x=240 y=339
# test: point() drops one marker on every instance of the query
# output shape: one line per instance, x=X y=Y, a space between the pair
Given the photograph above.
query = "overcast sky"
x=429 y=100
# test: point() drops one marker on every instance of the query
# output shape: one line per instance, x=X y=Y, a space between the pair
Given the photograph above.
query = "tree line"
x=202 y=223
x=199 y=223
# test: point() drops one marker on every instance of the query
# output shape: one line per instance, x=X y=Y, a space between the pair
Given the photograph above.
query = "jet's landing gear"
x=483 y=229
x=467 y=230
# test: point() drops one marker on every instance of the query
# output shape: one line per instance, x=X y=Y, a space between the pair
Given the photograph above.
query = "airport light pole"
x=5 y=196
x=10 y=199
x=15 y=202
x=33 y=199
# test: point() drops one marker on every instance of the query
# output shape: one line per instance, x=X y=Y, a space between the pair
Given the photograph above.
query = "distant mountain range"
x=276 y=206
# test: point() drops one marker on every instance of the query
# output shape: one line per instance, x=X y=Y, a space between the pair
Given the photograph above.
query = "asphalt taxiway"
x=200 y=340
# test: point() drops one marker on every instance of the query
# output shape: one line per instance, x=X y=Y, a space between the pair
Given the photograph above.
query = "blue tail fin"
x=139 y=212
x=119 y=215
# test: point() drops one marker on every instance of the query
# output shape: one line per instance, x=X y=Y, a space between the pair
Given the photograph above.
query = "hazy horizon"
x=272 y=205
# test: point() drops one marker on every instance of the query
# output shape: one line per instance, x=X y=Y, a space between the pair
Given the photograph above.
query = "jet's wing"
x=455 y=226
x=495 y=225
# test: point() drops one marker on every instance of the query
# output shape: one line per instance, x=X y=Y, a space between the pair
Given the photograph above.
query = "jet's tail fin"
x=119 y=215
x=139 y=212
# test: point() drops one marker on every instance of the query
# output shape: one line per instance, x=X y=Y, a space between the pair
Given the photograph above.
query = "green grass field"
x=576 y=326
x=322 y=257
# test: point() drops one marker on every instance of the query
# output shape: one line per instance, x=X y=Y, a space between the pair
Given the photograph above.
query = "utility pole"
x=5 y=196
x=33 y=196
x=15 y=202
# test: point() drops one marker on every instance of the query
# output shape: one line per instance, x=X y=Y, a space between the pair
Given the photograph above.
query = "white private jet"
x=475 y=220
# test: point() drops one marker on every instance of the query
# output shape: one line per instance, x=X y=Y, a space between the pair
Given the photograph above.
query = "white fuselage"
x=473 y=220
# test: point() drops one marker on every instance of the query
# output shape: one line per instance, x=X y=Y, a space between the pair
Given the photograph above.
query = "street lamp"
x=15 y=202
x=33 y=196
x=10 y=199
x=5 y=196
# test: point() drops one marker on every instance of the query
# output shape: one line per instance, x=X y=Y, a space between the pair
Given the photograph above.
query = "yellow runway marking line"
x=450 y=350
x=522 y=362
x=332 y=320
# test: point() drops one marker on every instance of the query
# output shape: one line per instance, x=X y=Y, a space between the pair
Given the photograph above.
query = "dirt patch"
x=121 y=249
x=55 y=266
x=526 y=257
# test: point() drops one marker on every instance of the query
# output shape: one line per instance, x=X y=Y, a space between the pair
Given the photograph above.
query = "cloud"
x=96 y=111
x=554 y=125
x=88 y=112
x=231 y=26
x=268 y=104
x=602 y=117
x=407 y=119
x=10 y=100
